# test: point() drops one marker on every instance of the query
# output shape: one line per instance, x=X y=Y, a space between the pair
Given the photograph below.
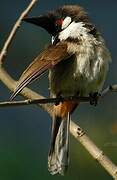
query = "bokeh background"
x=25 y=131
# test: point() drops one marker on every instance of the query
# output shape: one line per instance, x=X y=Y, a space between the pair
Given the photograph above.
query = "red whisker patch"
x=59 y=21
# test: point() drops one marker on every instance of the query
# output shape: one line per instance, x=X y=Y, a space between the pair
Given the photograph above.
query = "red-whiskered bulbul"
x=77 y=62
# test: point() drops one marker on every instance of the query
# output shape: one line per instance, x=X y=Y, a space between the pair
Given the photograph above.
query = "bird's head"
x=56 y=21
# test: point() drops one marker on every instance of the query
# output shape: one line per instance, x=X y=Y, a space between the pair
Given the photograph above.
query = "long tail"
x=58 y=158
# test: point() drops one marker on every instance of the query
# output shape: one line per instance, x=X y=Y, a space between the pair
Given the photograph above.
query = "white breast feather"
x=92 y=55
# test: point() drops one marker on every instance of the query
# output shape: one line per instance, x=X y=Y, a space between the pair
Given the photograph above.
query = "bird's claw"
x=94 y=98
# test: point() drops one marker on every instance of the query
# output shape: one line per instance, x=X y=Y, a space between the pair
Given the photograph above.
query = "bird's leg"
x=94 y=96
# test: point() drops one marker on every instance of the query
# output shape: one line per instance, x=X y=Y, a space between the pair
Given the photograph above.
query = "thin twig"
x=57 y=100
x=112 y=88
x=43 y=101
x=14 y=30
x=75 y=130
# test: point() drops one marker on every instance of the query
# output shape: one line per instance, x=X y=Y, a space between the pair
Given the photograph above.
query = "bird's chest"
x=83 y=73
x=72 y=76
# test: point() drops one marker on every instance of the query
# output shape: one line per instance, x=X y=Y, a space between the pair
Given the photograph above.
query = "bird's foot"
x=94 y=98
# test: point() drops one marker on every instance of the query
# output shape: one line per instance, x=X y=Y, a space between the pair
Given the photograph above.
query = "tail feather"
x=58 y=158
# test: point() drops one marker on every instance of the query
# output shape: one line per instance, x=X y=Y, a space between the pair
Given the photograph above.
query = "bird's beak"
x=44 y=21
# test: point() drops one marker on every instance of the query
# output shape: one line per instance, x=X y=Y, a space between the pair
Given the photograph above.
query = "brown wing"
x=51 y=56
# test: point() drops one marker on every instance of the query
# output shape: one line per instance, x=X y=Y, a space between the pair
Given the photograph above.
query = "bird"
x=78 y=61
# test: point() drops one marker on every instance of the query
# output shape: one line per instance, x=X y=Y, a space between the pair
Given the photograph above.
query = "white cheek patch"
x=74 y=30
x=66 y=22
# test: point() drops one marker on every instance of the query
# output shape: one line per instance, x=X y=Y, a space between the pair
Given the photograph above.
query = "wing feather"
x=50 y=57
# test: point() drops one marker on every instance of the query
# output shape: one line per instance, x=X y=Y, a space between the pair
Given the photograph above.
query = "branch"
x=14 y=30
x=95 y=152
x=57 y=100
x=75 y=130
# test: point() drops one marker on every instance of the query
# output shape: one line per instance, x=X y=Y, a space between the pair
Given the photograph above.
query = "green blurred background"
x=25 y=131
